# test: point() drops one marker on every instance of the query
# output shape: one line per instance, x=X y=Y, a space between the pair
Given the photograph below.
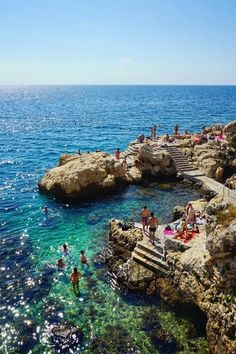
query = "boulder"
x=230 y=132
x=78 y=176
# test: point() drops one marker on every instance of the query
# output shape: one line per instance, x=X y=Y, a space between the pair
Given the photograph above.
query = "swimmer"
x=75 y=278
x=45 y=209
x=60 y=264
x=65 y=249
x=83 y=258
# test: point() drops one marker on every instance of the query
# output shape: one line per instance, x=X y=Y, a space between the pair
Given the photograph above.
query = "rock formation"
x=83 y=175
x=204 y=275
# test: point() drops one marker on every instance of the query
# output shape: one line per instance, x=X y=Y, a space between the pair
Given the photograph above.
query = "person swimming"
x=60 y=264
x=75 y=278
x=65 y=249
x=83 y=258
x=45 y=209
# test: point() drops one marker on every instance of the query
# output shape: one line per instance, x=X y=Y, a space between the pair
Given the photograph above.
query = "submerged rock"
x=65 y=337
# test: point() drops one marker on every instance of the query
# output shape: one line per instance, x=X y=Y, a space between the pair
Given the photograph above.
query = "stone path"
x=192 y=173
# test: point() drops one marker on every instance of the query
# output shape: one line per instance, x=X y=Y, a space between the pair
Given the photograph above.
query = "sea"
x=38 y=124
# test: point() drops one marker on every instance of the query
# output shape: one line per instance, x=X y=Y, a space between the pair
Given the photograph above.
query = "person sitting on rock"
x=153 y=223
x=75 y=278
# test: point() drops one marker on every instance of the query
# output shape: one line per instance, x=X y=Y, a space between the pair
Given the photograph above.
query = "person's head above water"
x=65 y=247
x=152 y=214
x=75 y=270
x=145 y=207
x=82 y=252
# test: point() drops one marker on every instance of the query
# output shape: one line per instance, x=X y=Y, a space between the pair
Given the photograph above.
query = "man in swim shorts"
x=145 y=215
x=153 y=223
x=75 y=277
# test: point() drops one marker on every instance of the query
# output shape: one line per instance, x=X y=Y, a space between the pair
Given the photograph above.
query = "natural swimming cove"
x=26 y=154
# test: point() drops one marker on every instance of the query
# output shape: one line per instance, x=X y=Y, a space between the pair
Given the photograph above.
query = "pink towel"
x=168 y=232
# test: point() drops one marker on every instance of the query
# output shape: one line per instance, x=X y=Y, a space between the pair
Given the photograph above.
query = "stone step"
x=149 y=265
x=156 y=251
x=185 y=166
x=151 y=258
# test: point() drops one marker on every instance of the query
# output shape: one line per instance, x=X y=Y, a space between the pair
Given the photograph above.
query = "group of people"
x=149 y=221
x=76 y=275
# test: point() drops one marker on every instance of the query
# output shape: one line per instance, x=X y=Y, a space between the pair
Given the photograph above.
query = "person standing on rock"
x=145 y=215
x=191 y=217
x=154 y=132
x=117 y=154
x=177 y=129
x=153 y=223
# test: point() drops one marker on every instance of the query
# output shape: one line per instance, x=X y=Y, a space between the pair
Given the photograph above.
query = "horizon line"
x=114 y=84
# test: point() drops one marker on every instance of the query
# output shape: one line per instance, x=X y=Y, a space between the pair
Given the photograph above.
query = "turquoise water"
x=37 y=125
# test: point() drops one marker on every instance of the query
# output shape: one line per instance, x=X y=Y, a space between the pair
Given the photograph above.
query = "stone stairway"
x=132 y=150
x=151 y=256
x=181 y=163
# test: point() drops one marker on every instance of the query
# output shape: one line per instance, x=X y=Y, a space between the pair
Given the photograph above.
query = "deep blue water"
x=37 y=125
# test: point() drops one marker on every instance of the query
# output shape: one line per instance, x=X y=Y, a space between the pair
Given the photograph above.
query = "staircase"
x=132 y=150
x=181 y=163
x=151 y=256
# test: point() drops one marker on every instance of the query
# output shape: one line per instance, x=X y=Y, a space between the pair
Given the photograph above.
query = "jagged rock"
x=83 y=175
x=134 y=174
x=178 y=212
x=230 y=132
x=231 y=182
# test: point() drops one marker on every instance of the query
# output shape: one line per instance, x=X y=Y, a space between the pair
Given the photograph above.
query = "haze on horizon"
x=117 y=42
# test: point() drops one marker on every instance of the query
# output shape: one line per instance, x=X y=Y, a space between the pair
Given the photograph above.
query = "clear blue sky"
x=117 y=41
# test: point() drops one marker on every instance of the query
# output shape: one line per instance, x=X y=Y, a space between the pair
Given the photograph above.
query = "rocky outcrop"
x=204 y=274
x=148 y=159
x=78 y=176
x=230 y=132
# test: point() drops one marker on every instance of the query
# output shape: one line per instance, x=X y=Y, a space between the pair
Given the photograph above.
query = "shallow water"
x=37 y=125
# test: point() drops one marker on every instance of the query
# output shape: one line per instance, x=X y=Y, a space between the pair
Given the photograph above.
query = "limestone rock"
x=230 y=132
x=78 y=176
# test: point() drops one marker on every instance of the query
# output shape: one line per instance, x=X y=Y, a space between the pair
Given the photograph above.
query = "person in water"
x=145 y=215
x=60 y=264
x=75 y=278
x=65 y=249
x=153 y=223
x=83 y=258
x=45 y=209
x=117 y=154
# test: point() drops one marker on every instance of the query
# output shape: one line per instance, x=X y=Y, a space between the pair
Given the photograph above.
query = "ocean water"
x=37 y=125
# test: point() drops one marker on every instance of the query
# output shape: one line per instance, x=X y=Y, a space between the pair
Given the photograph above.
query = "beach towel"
x=186 y=236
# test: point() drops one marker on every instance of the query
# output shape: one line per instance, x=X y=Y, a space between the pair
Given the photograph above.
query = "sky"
x=117 y=42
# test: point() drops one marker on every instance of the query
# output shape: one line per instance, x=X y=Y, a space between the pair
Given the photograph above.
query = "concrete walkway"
x=190 y=172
